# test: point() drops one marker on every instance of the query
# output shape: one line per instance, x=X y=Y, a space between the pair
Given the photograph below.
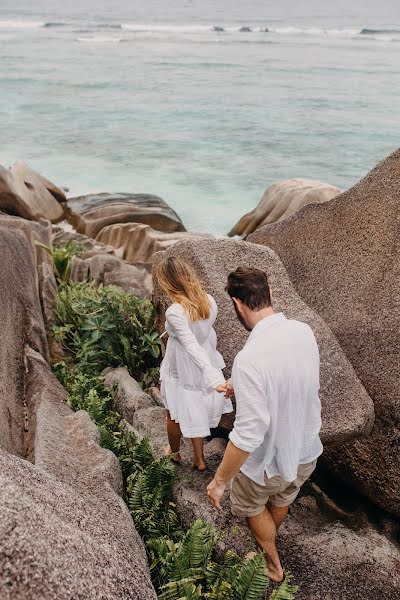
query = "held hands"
x=215 y=491
x=226 y=388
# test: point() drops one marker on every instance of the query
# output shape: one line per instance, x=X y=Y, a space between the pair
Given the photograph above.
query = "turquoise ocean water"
x=194 y=100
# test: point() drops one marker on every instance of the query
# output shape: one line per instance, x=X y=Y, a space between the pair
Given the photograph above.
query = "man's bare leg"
x=278 y=513
x=174 y=438
x=264 y=530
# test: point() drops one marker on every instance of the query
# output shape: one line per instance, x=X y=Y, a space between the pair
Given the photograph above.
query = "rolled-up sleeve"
x=177 y=320
x=252 y=413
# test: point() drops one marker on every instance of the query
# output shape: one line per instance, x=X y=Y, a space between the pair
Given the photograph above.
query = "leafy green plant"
x=100 y=327
x=62 y=258
x=286 y=591
x=192 y=570
x=149 y=492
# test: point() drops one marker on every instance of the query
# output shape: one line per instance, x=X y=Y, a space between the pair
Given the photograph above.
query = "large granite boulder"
x=137 y=242
x=65 y=530
x=347 y=409
x=104 y=269
x=21 y=326
x=25 y=193
x=102 y=264
x=281 y=200
x=332 y=553
x=56 y=542
x=343 y=257
x=38 y=232
x=90 y=214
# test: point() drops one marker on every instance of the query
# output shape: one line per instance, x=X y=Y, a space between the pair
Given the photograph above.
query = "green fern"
x=251 y=580
x=286 y=590
x=184 y=589
x=197 y=545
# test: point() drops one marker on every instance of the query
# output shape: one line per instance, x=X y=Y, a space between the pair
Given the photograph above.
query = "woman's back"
x=201 y=327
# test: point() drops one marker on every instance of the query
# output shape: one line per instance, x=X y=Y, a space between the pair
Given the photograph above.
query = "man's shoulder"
x=300 y=326
x=245 y=358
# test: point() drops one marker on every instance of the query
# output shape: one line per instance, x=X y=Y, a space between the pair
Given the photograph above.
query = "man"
x=274 y=445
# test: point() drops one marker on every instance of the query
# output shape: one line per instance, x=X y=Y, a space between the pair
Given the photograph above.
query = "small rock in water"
x=218 y=28
x=245 y=30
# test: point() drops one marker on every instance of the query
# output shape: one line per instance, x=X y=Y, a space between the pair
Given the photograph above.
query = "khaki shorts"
x=248 y=498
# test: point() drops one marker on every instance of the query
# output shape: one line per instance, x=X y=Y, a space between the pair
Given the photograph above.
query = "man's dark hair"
x=250 y=286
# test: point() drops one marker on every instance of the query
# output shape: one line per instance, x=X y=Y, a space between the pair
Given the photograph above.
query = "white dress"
x=190 y=372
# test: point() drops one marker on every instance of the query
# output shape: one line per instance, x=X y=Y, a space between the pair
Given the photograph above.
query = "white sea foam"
x=166 y=28
x=99 y=39
x=21 y=24
x=316 y=31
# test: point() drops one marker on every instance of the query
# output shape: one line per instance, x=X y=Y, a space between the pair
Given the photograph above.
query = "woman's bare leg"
x=174 y=438
x=198 y=448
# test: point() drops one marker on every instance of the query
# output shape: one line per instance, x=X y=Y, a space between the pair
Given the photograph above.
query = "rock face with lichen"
x=344 y=260
x=347 y=409
x=65 y=530
x=281 y=200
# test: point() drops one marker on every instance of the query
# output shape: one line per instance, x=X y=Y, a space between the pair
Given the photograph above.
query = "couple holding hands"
x=274 y=445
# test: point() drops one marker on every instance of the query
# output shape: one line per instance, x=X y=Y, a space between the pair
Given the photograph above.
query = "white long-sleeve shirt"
x=278 y=412
x=192 y=355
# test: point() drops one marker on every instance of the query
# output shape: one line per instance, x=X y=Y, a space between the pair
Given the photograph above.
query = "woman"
x=192 y=382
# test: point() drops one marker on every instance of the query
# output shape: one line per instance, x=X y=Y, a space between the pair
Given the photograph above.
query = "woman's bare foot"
x=273 y=572
x=175 y=456
x=200 y=465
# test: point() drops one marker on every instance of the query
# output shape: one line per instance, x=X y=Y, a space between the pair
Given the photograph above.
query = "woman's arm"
x=179 y=323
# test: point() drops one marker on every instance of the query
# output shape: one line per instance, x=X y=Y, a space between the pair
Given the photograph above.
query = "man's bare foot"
x=273 y=572
x=175 y=456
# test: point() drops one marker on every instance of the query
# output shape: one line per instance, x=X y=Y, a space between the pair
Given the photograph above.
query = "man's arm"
x=251 y=424
x=231 y=463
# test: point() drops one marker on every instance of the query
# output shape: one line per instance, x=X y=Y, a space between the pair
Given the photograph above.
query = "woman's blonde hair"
x=180 y=282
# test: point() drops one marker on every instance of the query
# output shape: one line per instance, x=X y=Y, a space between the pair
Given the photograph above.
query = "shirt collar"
x=266 y=323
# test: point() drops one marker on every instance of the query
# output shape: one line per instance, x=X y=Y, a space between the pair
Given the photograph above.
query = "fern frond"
x=184 y=589
x=286 y=590
x=197 y=545
x=251 y=580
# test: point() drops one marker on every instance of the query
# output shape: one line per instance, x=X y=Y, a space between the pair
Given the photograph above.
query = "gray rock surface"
x=21 y=326
x=65 y=532
x=59 y=543
x=102 y=264
x=105 y=269
x=34 y=231
x=137 y=242
x=25 y=193
x=343 y=257
x=282 y=199
x=38 y=232
x=91 y=213
x=347 y=408
x=128 y=396
x=61 y=236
